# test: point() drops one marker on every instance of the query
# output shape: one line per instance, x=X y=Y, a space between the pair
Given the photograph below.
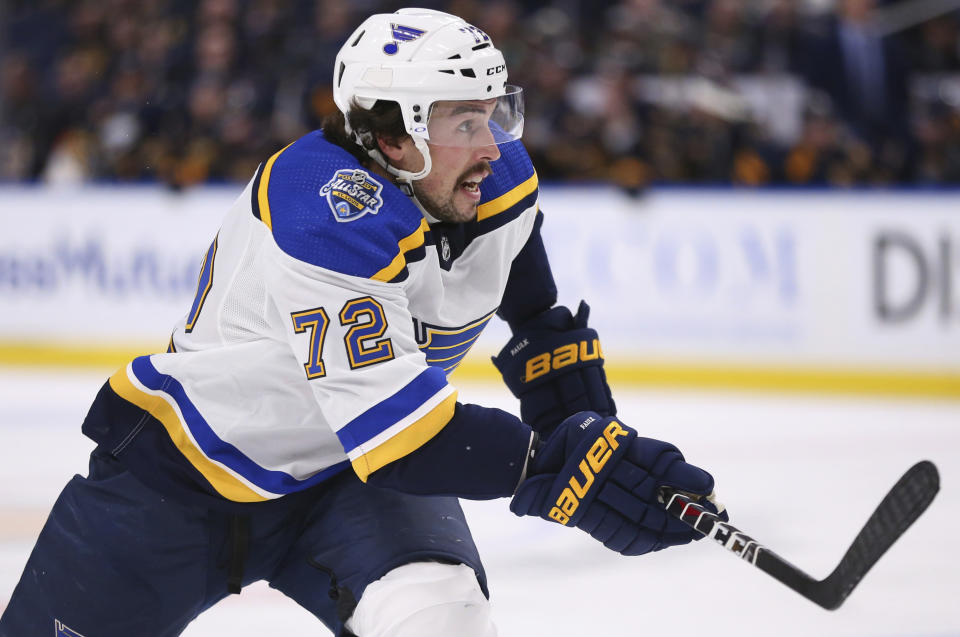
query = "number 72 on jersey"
x=363 y=340
x=363 y=316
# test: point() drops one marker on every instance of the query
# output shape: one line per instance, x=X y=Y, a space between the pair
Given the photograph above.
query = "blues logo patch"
x=352 y=194
x=401 y=34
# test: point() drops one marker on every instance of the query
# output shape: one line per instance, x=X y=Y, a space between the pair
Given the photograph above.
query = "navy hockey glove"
x=554 y=365
x=595 y=473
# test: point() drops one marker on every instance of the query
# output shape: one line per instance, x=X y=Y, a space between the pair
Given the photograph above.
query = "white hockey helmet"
x=416 y=58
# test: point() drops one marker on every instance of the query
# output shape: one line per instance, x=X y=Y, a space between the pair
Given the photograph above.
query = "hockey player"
x=302 y=411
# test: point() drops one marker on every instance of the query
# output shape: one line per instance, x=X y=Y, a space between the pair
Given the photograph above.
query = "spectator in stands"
x=862 y=71
x=186 y=92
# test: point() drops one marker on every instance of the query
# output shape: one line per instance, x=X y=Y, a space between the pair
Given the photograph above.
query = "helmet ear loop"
x=424 y=149
x=405 y=178
x=406 y=184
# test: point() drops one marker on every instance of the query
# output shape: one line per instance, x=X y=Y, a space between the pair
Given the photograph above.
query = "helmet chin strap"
x=405 y=178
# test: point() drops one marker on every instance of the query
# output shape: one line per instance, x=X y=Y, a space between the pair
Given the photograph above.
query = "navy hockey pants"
x=116 y=558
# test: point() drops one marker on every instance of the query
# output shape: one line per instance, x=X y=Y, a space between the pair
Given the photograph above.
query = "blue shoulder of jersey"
x=324 y=208
x=511 y=189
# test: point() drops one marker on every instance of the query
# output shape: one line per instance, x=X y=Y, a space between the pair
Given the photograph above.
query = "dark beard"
x=447 y=210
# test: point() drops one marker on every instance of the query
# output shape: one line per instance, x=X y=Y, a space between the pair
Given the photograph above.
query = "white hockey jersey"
x=327 y=317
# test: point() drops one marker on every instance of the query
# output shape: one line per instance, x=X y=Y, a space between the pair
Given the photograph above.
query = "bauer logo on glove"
x=604 y=480
x=561 y=357
x=593 y=462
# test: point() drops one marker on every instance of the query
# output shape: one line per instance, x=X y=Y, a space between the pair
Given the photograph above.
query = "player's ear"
x=401 y=152
x=395 y=150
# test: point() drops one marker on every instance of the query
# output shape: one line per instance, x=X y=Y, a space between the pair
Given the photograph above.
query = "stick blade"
x=898 y=510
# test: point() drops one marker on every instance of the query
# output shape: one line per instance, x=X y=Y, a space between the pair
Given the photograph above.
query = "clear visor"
x=472 y=123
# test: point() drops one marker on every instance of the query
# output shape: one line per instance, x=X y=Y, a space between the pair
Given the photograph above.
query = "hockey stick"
x=908 y=498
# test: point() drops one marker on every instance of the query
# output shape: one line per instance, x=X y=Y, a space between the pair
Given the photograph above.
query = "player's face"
x=461 y=149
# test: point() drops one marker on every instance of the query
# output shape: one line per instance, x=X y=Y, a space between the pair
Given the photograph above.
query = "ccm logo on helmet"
x=593 y=461
x=493 y=70
x=561 y=357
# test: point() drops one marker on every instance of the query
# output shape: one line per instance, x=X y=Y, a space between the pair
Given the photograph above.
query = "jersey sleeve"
x=531 y=288
x=481 y=454
x=343 y=239
x=354 y=341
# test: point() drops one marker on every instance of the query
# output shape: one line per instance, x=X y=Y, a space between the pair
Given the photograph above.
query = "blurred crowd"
x=638 y=92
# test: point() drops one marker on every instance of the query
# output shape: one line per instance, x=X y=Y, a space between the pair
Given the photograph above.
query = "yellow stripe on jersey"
x=225 y=483
x=262 y=198
x=408 y=440
x=507 y=199
x=410 y=242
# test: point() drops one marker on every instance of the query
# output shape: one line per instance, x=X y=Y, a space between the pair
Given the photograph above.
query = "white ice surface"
x=801 y=475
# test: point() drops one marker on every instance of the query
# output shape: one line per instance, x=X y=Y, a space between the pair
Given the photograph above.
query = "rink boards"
x=855 y=291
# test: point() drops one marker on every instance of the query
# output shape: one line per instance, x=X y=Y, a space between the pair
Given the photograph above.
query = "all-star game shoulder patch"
x=352 y=193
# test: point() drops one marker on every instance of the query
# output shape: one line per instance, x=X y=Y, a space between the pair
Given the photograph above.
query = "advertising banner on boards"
x=698 y=286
